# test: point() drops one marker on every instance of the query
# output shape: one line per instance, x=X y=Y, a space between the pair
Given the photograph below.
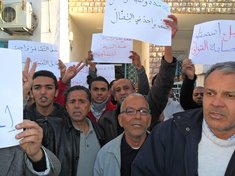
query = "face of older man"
x=77 y=106
x=219 y=104
x=135 y=117
x=122 y=88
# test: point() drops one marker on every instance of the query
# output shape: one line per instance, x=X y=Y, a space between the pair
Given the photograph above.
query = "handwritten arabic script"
x=123 y=14
x=11 y=96
x=213 y=41
x=111 y=49
x=130 y=18
x=7 y=120
x=44 y=54
x=35 y=48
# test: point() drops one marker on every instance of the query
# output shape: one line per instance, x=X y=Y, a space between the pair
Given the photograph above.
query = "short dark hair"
x=74 y=88
x=99 y=78
x=46 y=73
x=111 y=83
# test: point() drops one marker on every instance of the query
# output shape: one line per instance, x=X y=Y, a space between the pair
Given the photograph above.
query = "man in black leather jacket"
x=44 y=90
x=59 y=134
x=75 y=139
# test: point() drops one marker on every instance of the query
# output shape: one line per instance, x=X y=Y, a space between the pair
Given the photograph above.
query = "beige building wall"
x=56 y=23
x=78 y=43
x=150 y=54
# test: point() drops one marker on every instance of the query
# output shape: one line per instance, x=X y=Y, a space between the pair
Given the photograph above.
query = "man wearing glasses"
x=116 y=157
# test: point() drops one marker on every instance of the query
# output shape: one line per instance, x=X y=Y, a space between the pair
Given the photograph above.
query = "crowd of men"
x=110 y=129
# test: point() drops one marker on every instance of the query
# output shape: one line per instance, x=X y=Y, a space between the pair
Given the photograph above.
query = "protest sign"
x=213 y=42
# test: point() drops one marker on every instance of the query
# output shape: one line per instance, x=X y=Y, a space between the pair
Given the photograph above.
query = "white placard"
x=140 y=20
x=213 y=42
x=11 y=101
x=107 y=71
x=44 y=54
x=107 y=49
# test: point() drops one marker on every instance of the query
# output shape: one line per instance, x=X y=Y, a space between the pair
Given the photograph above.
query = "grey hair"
x=225 y=67
x=131 y=95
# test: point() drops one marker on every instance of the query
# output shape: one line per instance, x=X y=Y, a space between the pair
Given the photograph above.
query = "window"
x=3 y=44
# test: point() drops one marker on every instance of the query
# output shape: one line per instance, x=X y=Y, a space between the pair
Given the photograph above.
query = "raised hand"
x=90 y=62
x=135 y=60
x=71 y=72
x=28 y=76
x=172 y=22
x=188 y=68
x=62 y=68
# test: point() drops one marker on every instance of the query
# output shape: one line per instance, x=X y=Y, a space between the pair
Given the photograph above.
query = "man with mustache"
x=83 y=136
x=75 y=139
x=115 y=157
x=198 y=141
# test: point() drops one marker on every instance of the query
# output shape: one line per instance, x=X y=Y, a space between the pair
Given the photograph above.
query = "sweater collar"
x=211 y=136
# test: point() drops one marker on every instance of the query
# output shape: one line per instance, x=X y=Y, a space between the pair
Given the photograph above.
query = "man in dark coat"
x=199 y=141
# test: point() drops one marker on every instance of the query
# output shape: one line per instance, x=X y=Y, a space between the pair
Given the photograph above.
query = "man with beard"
x=198 y=141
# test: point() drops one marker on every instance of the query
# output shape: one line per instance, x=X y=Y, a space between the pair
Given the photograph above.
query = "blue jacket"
x=172 y=148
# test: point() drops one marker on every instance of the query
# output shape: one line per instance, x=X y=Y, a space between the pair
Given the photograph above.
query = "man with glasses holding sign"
x=115 y=157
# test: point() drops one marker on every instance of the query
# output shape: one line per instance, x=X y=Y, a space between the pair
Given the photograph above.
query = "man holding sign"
x=30 y=158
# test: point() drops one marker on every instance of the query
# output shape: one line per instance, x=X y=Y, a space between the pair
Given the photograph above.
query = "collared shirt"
x=89 y=147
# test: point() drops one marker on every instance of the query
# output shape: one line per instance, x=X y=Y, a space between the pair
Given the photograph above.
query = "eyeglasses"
x=196 y=94
x=132 y=111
